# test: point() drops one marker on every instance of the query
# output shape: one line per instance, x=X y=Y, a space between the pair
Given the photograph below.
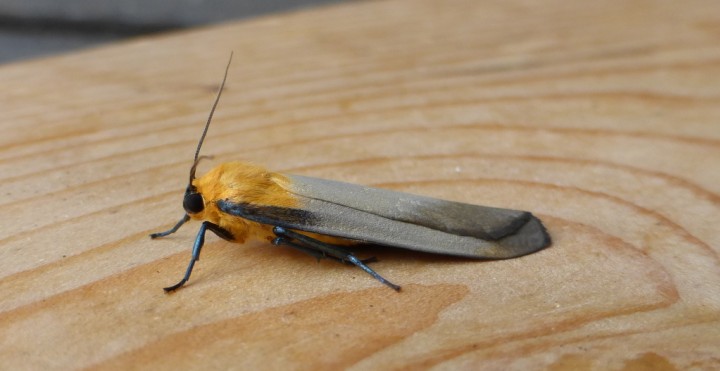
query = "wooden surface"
x=603 y=118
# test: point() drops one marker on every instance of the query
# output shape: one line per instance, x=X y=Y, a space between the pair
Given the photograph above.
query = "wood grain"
x=602 y=118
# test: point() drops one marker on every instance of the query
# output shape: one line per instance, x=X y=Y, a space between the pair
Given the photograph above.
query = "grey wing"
x=401 y=220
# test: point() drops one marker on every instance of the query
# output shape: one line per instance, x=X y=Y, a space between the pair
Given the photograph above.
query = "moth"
x=325 y=218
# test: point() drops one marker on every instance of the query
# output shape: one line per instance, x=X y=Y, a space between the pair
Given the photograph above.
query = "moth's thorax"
x=241 y=183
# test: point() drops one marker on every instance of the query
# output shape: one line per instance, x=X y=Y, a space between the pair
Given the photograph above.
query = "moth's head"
x=193 y=202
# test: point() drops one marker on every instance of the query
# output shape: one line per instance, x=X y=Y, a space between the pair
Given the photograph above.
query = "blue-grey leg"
x=199 y=242
x=172 y=230
x=322 y=249
x=319 y=255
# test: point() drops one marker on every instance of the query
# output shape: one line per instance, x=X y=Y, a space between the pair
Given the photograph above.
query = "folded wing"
x=401 y=220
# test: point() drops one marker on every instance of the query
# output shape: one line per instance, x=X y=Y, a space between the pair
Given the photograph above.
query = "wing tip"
x=531 y=237
x=546 y=239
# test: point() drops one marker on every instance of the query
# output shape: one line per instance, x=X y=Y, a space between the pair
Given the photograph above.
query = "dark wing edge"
x=529 y=238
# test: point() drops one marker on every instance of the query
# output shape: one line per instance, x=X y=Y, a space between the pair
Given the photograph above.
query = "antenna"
x=207 y=125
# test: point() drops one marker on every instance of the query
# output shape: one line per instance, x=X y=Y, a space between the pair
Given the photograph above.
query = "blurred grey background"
x=32 y=28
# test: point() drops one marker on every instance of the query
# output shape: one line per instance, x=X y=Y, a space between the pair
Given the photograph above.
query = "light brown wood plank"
x=602 y=118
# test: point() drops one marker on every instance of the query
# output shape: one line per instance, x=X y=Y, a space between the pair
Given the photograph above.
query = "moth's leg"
x=172 y=230
x=317 y=254
x=220 y=232
x=333 y=251
x=199 y=242
x=312 y=252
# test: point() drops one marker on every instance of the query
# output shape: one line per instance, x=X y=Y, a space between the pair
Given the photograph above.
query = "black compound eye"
x=193 y=203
